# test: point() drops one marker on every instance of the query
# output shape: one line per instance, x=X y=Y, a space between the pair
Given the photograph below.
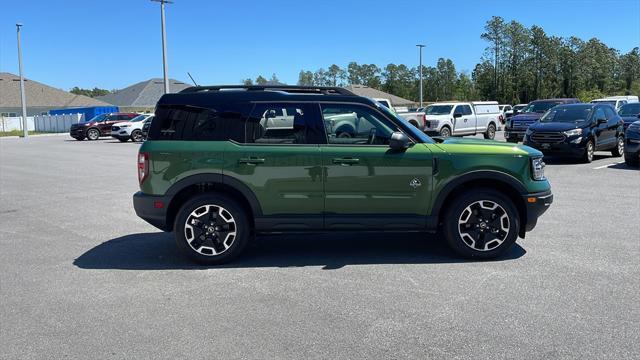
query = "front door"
x=368 y=185
x=464 y=120
x=280 y=161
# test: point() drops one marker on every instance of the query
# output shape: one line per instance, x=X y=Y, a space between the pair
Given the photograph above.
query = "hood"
x=555 y=126
x=475 y=146
x=528 y=117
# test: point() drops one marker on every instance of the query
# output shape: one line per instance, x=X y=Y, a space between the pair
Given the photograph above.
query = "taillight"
x=424 y=119
x=501 y=118
x=143 y=166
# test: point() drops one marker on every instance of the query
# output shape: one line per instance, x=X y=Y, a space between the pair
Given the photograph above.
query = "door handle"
x=345 y=161
x=251 y=161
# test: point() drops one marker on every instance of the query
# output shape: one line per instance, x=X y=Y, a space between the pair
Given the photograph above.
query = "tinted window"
x=438 y=109
x=540 y=106
x=284 y=124
x=599 y=114
x=466 y=110
x=181 y=122
x=356 y=125
x=568 y=114
x=609 y=112
x=630 y=109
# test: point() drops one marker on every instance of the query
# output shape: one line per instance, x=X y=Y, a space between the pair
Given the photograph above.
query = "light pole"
x=420 y=46
x=164 y=44
x=23 y=97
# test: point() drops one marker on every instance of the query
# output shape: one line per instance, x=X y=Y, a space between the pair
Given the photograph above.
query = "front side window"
x=272 y=123
x=466 y=110
x=599 y=114
x=356 y=125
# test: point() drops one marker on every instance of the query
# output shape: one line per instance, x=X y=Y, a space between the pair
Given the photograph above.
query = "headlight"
x=573 y=132
x=528 y=132
x=537 y=169
x=124 y=126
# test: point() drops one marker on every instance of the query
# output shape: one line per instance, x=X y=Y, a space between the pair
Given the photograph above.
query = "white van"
x=463 y=118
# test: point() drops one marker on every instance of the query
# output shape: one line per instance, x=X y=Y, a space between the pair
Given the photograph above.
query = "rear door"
x=280 y=161
x=367 y=185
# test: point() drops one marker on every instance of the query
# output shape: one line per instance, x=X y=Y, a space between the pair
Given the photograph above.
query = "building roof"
x=362 y=90
x=144 y=94
x=39 y=95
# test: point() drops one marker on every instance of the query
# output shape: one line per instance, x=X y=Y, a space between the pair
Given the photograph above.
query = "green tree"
x=260 y=80
x=305 y=78
x=95 y=92
x=494 y=34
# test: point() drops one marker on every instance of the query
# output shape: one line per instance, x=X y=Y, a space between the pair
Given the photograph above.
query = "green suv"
x=223 y=163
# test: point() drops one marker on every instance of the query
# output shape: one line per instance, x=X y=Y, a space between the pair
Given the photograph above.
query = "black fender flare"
x=217 y=178
x=472 y=176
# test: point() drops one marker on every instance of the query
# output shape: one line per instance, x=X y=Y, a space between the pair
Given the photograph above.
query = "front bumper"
x=632 y=148
x=78 y=132
x=148 y=208
x=561 y=148
x=536 y=205
x=514 y=134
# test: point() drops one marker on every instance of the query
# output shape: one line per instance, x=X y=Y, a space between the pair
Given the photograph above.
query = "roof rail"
x=326 y=90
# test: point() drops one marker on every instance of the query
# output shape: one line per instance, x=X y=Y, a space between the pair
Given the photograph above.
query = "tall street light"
x=420 y=46
x=23 y=97
x=164 y=45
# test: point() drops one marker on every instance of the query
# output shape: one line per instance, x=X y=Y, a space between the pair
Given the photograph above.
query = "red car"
x=98 y=126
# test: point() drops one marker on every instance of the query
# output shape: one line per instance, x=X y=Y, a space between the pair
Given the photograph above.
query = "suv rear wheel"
x=481 y=224
x=619 y=149
x=211 y=229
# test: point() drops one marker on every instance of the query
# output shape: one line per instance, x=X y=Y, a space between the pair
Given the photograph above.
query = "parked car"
x=504 y=108
x=463 y=118
x=629 y=113
x=98 y=126
x=145 y=127
x=616 y=101
x=387 y=103
x=516 y=126
x=577 y=130
x=514 y=110
x=632 y=145
x=244 y=179
x=415 y=118
x=131 y=129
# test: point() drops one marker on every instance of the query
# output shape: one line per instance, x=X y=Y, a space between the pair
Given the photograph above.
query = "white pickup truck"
x=463 y=118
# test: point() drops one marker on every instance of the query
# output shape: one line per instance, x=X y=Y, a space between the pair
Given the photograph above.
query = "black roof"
x=206 y=96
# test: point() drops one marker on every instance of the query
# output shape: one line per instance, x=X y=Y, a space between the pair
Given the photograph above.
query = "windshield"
x=414 y=131
x=608 y=102
x=569 y=114
x=98 y=117
x=629 y=110
x=540 y=107
x=385 y=103
x=519 y=107
x=438 y=109
x=139 y=118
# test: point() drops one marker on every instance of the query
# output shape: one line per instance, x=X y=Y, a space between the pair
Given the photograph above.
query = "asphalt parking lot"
x=82 y=277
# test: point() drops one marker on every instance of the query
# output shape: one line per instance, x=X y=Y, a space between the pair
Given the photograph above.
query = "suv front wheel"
x=481 y=224
x=211 y=229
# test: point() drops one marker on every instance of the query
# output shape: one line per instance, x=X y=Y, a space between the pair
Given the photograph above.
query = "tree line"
x=519 y=64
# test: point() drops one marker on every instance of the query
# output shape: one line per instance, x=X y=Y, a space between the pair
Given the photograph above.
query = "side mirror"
x=270 y=114
x=601 y=121
x=457 y=115
x=399 y=141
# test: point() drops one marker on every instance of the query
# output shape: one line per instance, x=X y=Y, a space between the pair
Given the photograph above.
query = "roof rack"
x=326 y=90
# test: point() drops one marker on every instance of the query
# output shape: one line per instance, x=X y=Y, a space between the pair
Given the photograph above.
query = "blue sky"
x=112 y=44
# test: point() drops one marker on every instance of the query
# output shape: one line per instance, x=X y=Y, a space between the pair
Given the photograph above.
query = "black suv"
x=578 y=130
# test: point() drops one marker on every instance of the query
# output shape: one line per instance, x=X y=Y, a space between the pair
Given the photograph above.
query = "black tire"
x=413 y=123
x=136 y=136
x=512 y=140
x=210 y=242
x=491 y=132
x=493 y=236
x=445 y=132
x=93 y=134
x=123 y=139
x=619 y=149
x=589 y=150
x=79 y=138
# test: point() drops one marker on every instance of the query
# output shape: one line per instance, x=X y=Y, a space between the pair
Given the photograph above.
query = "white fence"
x=42 y=123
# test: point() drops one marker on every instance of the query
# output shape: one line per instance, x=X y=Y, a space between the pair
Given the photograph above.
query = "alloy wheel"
x=210 y=230
x=589 y=151
x=136 y=136
x=445 y=132
x=620 y=145
x=484 y=225
x=93 y=134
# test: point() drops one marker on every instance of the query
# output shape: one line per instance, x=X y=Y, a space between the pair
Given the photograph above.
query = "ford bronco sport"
x=223 y=163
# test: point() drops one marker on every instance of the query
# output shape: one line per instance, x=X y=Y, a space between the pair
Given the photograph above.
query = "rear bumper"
x=536 y=205
x=148 y=208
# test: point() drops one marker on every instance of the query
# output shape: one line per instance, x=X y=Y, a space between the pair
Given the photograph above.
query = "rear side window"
x=183 y=122
x=284 y=123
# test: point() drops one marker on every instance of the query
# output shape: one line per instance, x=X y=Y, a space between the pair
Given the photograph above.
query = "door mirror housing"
x=399 y=141
x=601 y=121
x=457 y=115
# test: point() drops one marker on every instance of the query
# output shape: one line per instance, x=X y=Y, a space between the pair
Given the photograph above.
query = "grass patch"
x=19 y=133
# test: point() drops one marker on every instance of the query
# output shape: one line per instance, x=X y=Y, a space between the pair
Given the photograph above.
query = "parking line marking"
x=606 y=166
